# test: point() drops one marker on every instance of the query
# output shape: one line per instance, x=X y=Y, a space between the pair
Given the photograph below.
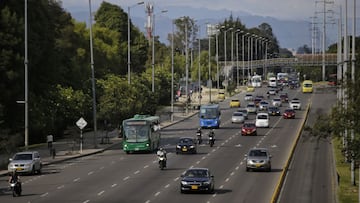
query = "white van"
x=262 y=120
x=272 y=82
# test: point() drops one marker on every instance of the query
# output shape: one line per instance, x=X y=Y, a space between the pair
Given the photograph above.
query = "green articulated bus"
x=141 y=133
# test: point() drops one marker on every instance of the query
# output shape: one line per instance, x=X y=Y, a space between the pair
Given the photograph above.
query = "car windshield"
x=186 y=140
x=23 y=157
x=196 y=173
x=249 y=125
x=237 y=114
x=258 y=153
x=235 y=100
x=262 y=116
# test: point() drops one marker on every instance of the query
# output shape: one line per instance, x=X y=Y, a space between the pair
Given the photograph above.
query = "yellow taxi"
x=250 y=88
x=221 y=95
x=234 y=103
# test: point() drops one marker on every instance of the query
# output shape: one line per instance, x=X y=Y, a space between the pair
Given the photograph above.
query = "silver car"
x=243 y=111
x=258 y=159
x=251 y=107
x=25 y=162
x=276 y=101
x=249 y=97
x=237 y=117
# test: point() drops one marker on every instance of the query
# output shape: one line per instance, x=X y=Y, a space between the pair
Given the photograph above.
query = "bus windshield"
x=209 y=113
x=136 y=133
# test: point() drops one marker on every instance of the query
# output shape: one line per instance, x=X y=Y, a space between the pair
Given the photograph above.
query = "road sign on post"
x=81 y=123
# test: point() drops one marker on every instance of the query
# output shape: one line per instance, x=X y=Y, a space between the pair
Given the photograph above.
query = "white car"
x=249 y=97
x=25 y=162
x=295 y=104
x=263 y=105
x=262 y=120
x=276 y=102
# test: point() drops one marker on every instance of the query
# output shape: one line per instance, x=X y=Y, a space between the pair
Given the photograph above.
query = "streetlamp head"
x=140 y=3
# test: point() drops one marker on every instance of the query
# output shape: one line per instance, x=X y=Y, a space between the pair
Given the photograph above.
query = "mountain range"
x=291 y=34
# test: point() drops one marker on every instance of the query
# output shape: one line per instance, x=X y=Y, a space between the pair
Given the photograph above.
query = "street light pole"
x=129 y=39
x=225 y=59
x=153 y=52
x=210 y=81
x=243 y=58
x=26 y=103
x=93 y=77
x=199 y=70
x=186 y=65
x=237 y=58
x=217 y=58
x=172 y=72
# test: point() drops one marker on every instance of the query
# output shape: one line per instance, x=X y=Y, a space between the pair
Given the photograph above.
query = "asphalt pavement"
x=69 y=148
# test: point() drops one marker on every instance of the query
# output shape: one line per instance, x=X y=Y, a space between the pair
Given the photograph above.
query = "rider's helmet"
x=161 y=149
x=199 y=129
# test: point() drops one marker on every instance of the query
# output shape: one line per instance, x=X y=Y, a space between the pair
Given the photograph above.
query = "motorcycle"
x=211 y=141
x=15 y=188
x=199 y=139
x=162 y=162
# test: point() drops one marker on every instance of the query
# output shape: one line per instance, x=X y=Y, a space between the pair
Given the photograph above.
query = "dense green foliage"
x=60 y=71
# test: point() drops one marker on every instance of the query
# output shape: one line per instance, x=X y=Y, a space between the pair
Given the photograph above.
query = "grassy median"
x=346 y=191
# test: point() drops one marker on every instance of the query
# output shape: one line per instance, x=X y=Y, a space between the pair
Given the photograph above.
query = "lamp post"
x=217 y=58
x=129 y=38
x=237 y=57
x=210 y=81
x=26 y=82
x=243 y=57
x=172 y=72
x=92 y=76
x=186 y=65
x=199 y=70
x=249 y=56
x=225 y=57
x=153 y=52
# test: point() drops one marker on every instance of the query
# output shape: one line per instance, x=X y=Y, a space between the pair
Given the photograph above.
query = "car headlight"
x=184 y=182
x=178 y=146
x=206 y=183
x=191 y=146
x=147 y=144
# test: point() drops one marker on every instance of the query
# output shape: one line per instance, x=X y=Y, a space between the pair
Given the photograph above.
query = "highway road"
x=114 y=176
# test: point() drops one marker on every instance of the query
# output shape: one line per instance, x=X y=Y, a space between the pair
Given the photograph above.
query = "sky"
x=280 y=9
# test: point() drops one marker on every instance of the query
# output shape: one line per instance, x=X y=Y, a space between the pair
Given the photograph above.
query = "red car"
x=289 y=113
x=248 y=129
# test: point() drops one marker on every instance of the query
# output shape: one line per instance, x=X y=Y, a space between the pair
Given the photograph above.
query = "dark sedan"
x=248 y=129
x=289 y=113
x=186 y=145
x=196 y=180
x=274 y=111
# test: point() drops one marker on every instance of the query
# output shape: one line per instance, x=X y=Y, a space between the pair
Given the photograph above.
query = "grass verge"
x=346 y=192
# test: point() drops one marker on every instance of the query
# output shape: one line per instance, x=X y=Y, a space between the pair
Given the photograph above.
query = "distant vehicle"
x=234 y=103
x=284 y=97
x=256 y=81
x=248 y=129
x=210 y=116
x=141 y=133
x=295 y=104
x=250 y=88
x=25 y=162
x=221 y=96
x=249 y=97
x=262 y=120
x=257 y=101
x=237 y=117
x=272 y=91
x=258 y=159
x=282 y=76
x=276 y=102
x=272 y=82
x=251 y=107
x=274 y=111
x=307 y=86
x=186 y=145
x=243 y=111
x=263 y=105
x=196 y=180
x=289 y=113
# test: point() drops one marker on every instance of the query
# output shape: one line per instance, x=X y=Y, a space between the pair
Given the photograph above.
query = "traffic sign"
x=81 y=123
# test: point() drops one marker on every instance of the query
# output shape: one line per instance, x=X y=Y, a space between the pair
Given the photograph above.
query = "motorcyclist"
x=162 y=153
x=211 y=137
x=14 y=177
x=198 y=135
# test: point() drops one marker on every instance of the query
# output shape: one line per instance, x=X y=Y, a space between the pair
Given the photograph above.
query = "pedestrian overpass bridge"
x=299 y=60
